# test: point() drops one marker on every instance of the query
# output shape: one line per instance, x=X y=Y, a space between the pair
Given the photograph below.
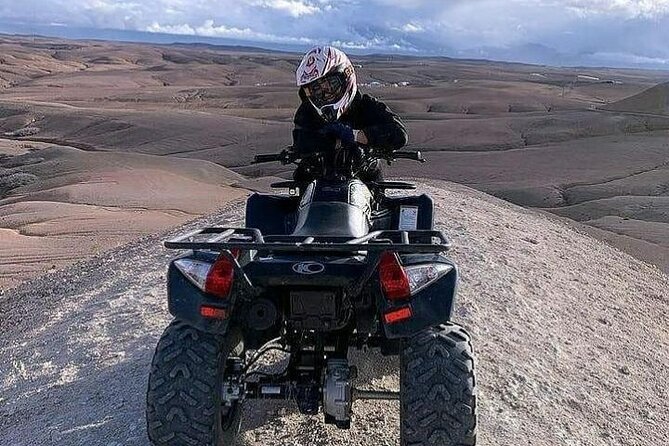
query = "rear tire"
x=183 y=401
x=438 y=388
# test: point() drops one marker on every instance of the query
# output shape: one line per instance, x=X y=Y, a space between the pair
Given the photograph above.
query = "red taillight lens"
x=220 y=277
x=394 y=280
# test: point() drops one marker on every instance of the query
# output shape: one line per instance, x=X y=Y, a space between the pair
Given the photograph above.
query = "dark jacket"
x=383 y=128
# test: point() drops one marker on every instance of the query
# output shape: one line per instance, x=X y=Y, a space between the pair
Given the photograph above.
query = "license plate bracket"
x=313 y=309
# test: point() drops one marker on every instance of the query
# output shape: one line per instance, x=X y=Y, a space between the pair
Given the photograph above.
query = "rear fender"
x=184 y=299
x=429 y=307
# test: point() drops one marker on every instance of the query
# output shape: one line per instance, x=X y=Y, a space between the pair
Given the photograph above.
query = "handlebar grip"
x=409 y=155
x=268 y=158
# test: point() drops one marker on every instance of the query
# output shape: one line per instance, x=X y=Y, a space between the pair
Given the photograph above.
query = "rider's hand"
x=341 y=132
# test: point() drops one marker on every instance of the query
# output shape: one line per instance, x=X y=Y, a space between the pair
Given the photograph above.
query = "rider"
x=333 y=109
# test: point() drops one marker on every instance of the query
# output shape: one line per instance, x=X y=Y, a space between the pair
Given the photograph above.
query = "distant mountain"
x=536 y=53
x=530 y=53
x=68 y=32
x=533 y=53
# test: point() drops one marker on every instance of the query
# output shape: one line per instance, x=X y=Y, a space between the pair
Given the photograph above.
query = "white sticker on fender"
x=408 y=218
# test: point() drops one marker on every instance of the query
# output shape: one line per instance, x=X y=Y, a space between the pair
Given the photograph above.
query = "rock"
x=531 y=240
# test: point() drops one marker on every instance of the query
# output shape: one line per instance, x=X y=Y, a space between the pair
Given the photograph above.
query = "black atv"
x=334 y=264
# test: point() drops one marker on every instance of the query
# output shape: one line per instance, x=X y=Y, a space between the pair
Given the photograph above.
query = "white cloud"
x=412 y=28
x=375 y=44
x=295 y=8
x=210 y=29
x=182 y=29
x=621 y=8
x=637 y=28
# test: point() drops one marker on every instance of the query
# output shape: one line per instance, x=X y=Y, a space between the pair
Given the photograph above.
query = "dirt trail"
x=570 y=335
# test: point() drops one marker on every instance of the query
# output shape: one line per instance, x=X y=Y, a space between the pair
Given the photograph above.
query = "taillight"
x=420 y=276
x=195 y=270
x=398 y=282
x=220 y=277
x=394 y=280
x=216 y=278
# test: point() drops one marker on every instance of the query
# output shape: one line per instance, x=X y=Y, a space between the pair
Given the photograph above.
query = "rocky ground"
x=570 y=336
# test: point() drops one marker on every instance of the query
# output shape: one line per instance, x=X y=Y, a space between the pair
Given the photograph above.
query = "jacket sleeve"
x=306 y=133
x=386 y=130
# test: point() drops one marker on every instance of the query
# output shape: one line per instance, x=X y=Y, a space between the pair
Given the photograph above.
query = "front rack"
x=222 y=238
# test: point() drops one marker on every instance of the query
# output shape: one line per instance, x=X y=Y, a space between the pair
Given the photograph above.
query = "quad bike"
x=334 y=265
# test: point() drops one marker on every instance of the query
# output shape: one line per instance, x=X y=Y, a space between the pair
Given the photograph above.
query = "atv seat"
x=331 y=219
x=271 y=214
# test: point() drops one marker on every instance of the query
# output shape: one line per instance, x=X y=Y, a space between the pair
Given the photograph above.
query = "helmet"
x=327 y=79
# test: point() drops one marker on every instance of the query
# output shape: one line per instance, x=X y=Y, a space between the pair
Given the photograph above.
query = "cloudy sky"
x=610 y=32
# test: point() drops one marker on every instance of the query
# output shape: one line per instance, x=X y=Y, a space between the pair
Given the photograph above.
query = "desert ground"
x=106 y=149
x=566 y=354
x=102 y=142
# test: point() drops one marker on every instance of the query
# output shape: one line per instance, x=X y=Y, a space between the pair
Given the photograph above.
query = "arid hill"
x=654 y=100
x=552 y=138
x=61 y=204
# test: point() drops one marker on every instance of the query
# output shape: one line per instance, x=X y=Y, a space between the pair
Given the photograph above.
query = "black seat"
x=331 y=219
x=272 y=214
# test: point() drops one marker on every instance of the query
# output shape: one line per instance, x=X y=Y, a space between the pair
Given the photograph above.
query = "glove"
x=339 y=131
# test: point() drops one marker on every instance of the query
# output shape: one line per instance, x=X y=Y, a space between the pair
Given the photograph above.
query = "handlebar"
x=414 y=155
x=287 y=156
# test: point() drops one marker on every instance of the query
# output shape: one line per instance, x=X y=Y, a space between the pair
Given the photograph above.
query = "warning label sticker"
x=408 y=218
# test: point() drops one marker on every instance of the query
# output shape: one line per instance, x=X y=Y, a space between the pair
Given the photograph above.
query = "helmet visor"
x=327 y=90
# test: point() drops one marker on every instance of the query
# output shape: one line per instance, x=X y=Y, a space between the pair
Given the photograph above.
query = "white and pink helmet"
x=328 y=80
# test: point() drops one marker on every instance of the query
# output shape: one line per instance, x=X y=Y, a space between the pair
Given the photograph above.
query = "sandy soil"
x=570 y=336
x=62 y=204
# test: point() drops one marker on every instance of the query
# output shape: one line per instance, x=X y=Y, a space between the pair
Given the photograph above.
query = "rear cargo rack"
x=222 y=238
